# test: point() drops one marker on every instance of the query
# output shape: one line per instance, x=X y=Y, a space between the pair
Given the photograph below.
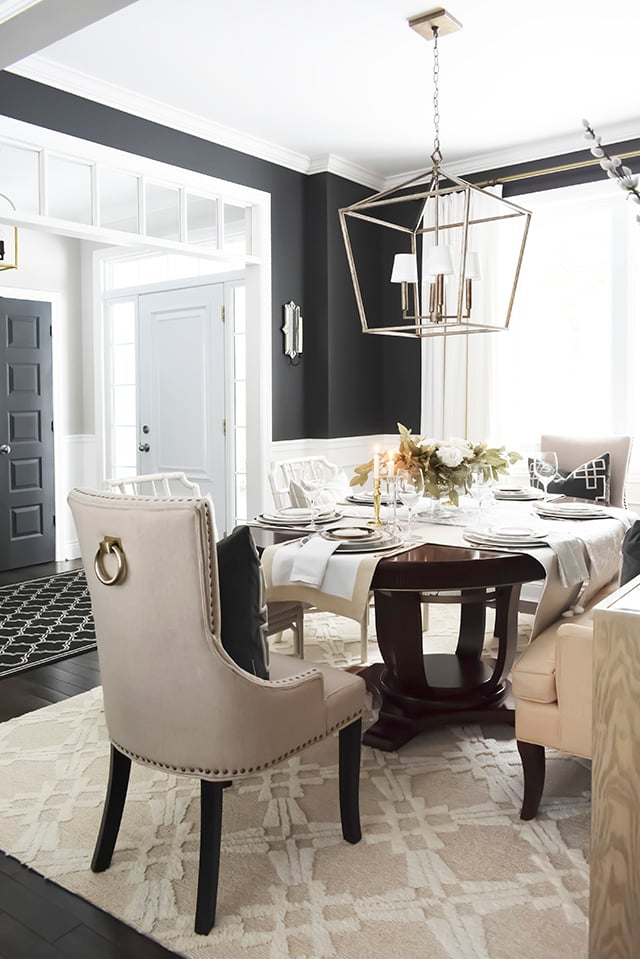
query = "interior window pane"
x=202 y=220
x=124 y=405
x=241 y=449
x=163 y=211
x=124 y=446
x=241 y=498
x=123 y=322
x=69 y=190
x=237 y=228
x=239 y=351
x=124 y=365
x=118 y=200
x=241 y=403
x=239 y=309
x=19 y=177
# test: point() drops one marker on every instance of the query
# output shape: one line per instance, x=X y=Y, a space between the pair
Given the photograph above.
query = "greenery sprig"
x=613 y=165
x=446 y=466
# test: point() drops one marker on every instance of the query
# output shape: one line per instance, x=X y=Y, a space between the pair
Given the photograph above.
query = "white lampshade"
x=439 y=261
x=472 y=270
x=405 y=268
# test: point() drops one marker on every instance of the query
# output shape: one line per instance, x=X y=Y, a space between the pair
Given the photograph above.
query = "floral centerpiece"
x=446 y=466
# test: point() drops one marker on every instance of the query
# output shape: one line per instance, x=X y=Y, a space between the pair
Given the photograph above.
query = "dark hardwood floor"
x=38 y=919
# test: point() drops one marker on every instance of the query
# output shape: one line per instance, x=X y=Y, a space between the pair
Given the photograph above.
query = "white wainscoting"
x=76 y=465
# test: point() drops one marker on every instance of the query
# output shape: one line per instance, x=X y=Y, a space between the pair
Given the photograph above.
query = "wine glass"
x=410 y=488
x=481 y=490
x=312 y=488
x=544 y=467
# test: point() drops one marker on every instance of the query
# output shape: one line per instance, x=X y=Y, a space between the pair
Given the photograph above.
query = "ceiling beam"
x=26 y=27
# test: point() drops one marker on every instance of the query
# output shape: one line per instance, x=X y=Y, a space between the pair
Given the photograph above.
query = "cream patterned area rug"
x=445 y=868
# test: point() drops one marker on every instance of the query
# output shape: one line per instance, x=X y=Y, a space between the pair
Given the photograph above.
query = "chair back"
x=573 y=451
x=154 y=484
x=284 y=471
x=172 y=695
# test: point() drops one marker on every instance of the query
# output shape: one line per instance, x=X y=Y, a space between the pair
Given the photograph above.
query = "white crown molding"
x=526 y=152
x=42 y=70
x=329 y=163
x=81 y=84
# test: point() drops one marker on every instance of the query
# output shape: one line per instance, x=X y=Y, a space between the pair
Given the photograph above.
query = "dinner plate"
x=366 y=497
x=364 y=546
x=521 y=536
x=571 y=510
x=518 y=493
x=353 y=534
x=296 y=516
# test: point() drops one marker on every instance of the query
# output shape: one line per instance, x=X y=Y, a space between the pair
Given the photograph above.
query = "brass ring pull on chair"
x=110 y=544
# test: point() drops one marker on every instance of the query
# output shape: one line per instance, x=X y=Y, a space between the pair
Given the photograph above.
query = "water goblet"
x=312 y=488
x=544 y=467
x=410 y=488
x=481 y=490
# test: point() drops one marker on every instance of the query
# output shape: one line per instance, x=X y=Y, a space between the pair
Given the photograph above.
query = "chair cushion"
x=344 y=693
x=590 y=480
x=243 y=612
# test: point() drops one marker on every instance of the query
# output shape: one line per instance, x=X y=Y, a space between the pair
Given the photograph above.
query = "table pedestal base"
x=402 y=717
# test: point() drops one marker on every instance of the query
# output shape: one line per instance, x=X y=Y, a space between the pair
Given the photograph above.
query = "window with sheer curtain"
x=569 y=362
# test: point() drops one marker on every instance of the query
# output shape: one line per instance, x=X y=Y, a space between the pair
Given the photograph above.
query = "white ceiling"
x=350 y=79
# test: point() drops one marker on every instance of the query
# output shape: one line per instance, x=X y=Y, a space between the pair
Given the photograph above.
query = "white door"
x=181 y=388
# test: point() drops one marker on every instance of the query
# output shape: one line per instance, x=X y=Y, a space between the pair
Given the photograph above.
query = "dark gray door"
x=27 y=531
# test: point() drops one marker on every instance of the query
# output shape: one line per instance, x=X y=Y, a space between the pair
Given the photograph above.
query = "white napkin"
x=310 y=563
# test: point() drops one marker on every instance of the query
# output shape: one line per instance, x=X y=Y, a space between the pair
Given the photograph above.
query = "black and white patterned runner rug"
x=42 y=620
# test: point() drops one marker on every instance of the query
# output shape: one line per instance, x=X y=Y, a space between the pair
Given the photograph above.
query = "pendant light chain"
x=436 y=156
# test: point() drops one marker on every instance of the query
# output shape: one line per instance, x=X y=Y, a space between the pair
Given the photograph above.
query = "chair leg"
x=364 y=636
x=349 y=751
x=533 y=768
x=209 y=867
x=119 y=769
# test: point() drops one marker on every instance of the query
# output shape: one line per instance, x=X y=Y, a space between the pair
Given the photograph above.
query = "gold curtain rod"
x=562 y=168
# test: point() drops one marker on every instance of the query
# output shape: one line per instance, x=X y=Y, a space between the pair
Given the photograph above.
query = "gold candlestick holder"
x=376 y=503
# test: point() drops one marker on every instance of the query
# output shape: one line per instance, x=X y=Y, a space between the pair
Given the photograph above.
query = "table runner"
x=347 y=581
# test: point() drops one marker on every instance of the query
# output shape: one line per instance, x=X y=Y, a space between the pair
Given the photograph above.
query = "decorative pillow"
x=588 y=481
x=631 y=554
x=243 y=612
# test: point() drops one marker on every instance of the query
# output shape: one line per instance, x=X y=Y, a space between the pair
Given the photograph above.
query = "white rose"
x=463 y=445
x=450 y=455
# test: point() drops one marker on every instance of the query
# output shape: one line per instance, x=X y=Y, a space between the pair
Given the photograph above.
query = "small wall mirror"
x=292 y=329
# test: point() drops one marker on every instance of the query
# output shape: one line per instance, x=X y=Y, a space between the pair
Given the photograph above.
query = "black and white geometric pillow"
x=589 y=481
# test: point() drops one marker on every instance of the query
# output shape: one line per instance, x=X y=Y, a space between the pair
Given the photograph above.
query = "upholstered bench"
x=552 y=688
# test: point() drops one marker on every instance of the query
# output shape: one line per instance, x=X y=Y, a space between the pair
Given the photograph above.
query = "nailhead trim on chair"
x=225 y=773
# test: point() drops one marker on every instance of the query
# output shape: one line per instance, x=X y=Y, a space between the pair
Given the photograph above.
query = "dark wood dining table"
x=419 y=690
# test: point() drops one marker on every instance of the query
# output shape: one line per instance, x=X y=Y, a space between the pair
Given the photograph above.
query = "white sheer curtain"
x=566 y=363
x=457 y=370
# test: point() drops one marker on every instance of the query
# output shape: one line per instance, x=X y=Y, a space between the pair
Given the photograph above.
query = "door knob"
x=5 y=448
x=144 y=447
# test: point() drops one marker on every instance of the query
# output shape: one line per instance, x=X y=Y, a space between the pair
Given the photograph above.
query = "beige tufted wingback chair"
x=173 y=698
x=552 y=692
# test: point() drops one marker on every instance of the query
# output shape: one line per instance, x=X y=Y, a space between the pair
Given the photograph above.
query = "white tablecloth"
x=347 y=578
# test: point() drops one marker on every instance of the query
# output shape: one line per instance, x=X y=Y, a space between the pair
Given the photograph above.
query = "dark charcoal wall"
x=324 y=396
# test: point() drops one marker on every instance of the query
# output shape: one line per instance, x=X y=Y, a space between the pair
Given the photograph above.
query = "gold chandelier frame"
x=424 y=307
